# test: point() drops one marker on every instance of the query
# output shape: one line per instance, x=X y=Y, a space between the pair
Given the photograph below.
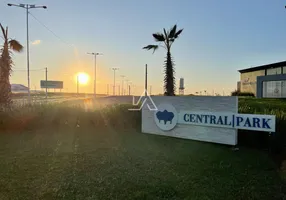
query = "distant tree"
x=6 y=64
x=238 y=93
x=166 y=40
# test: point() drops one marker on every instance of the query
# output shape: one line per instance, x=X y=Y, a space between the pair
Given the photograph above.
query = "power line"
x=51 y=31
x=30 y=70
x=33 y=69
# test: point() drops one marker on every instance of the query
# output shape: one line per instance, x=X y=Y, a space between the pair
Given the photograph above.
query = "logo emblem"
x=166 y=117
x=144 y=98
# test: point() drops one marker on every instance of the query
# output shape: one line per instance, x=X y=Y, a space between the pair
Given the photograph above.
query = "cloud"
x=36 y=42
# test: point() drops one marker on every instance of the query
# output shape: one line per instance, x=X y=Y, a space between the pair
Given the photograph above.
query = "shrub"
x=238 y=93
x=275 y=142
x=55 y=115
x=119 y=117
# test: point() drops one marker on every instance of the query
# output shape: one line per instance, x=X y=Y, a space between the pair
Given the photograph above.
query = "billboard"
x=52 y=84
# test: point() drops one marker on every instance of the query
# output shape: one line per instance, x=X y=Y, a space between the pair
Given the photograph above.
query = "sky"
x=219 y=38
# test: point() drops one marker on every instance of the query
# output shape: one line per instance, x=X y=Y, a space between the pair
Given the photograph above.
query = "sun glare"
x=82 y=78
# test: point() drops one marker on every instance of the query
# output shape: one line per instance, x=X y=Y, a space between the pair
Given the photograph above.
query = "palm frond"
x=173 y=31
x=15 y=45
x=3 y=31
x=149 y=47
x=159 y=37
x=166 y=33
x=178 y=33
x=6 y=31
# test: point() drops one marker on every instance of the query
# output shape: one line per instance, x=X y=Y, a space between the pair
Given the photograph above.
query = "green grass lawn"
x=61 y=161
x=107 y=157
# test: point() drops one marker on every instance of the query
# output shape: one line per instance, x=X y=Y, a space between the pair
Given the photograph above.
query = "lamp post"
x=129 y=88
x=122 y=84
x=126 y=86
x=114 y=70
x=77 y=84
x=27 y=7
x=94 y=86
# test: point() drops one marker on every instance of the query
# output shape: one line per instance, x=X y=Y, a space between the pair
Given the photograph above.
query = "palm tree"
x=6 y=64
x=167 y=39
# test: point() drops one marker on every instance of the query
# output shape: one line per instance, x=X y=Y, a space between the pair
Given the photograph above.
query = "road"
x=41 y=99
x=102 y=101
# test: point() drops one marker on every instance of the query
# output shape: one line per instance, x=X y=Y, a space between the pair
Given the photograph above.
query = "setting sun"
x=83 y=78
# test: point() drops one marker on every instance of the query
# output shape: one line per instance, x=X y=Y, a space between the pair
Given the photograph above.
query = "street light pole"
x=127 y=83
x=77 y=86
x=146 y=80
x=46 y=83
x=27 y=7
x=122 y=84
x=28 y=52
x=94 y=86
x=114 y=69
x=129 y=88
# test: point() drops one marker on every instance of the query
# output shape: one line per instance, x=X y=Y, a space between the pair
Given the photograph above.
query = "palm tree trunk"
x=5 y=70
x=169 y=79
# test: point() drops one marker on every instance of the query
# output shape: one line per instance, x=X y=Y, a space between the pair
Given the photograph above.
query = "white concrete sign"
x=229 y=120
x=210 y=119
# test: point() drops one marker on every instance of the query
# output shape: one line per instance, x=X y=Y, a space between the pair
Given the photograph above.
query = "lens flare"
x=83 y=78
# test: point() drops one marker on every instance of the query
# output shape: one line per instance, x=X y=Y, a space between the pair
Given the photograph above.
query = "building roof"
x=262 y=67
x=18 y=87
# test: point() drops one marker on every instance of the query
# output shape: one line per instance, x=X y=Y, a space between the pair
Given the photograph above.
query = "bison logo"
x=165 y=116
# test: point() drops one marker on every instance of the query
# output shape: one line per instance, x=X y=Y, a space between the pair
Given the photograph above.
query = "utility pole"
x=118 y=90
x=129 y=90
x=28 y=55
x=122 y=83
x=146 y=80
x=134 y=89
x=114 y=69
x=46 y=83
x=27 y=7
x=107 y=89
x=77 y=85
x=94 y=81
x=130 y=87
x=127 y=83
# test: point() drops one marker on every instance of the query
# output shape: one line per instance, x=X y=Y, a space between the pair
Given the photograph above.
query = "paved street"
x=73 y=100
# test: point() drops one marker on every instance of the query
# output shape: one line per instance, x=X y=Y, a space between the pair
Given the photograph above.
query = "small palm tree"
x=6 y=64
x=167 y=38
